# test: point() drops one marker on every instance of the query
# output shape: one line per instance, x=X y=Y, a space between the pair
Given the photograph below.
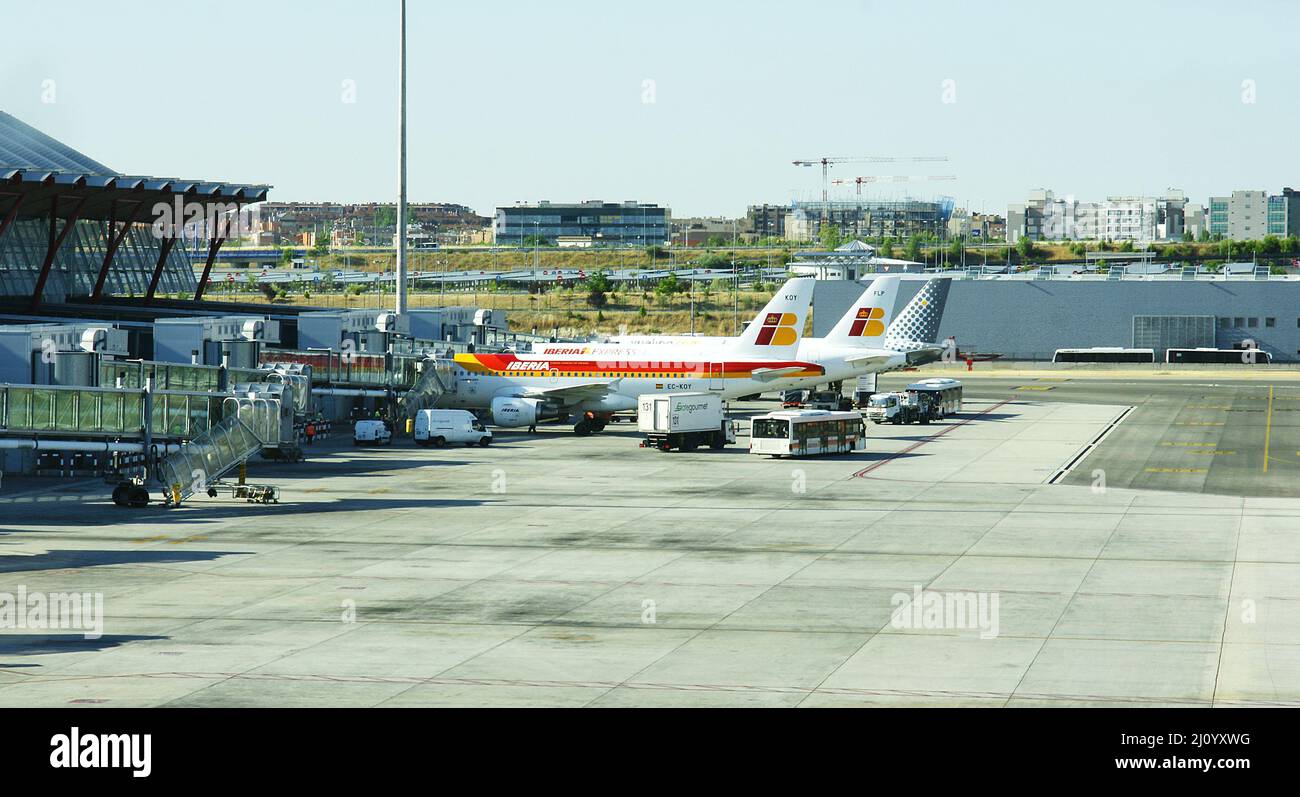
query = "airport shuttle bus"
x=1102 y=354
x=806 y=433
x=945 y=394
x=1226 y=356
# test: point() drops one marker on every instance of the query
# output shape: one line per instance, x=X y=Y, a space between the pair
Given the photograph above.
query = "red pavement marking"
x=862 y=473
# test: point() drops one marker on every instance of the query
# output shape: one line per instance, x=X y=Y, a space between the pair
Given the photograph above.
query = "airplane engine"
x=515 y=412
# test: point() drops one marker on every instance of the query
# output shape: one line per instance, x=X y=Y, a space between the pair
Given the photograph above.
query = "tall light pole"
x=401 y=169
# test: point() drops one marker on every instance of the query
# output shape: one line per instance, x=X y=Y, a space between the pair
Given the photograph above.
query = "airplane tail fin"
x=777 y=329
x=868 y=319
x=919 y=321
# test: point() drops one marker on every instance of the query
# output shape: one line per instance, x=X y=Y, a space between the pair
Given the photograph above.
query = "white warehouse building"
x=1045 y=217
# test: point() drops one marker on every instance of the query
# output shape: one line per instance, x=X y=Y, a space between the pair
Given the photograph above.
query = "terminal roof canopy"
x=35 y=169
x=24 y=147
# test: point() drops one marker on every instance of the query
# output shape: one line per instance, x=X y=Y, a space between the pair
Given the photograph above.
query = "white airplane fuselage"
x=840 y=361
x=616 y=375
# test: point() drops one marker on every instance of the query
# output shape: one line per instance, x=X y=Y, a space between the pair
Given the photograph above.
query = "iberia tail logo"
x=868 y=323
x=778 y=330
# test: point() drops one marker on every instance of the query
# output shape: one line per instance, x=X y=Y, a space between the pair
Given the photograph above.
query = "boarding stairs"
x=248 y=425
x=437 y=378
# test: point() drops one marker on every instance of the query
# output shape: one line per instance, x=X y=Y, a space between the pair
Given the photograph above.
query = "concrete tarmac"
x=939 y=567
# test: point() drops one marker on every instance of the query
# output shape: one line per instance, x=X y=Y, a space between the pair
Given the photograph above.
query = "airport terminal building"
x=1024 y=318
x=72 y=227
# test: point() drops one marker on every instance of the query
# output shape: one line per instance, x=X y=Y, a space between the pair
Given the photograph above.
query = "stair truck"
x=684 y=421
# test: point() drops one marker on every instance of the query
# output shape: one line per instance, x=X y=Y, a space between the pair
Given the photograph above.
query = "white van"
x=371 y=433
x=440 y=427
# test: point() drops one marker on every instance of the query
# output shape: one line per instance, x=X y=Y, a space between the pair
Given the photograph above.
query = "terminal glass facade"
x=78 y=261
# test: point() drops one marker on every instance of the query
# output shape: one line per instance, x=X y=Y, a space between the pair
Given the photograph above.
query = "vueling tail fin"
x=919 y=321
x=777 y=329
x=868 y=319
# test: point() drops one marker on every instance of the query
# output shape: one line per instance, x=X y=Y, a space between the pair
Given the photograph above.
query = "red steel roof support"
x=213 y=247
x=115 y=239
x=56 y=242
x=163 y=253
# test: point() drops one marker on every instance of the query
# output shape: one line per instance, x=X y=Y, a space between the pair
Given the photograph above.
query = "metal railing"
x=436 y=379
x=106 y=411
x=247 y=427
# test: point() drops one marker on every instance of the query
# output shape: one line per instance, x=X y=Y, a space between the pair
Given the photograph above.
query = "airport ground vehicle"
x=371 y=433
x=1104 y=354
x=803 y=433
x=946 y=394
x=828 y=400
x=437 y=428
x=1244 y=356
x=793 y=398
x=684 y=421
x=863 y=390
x=902 y=407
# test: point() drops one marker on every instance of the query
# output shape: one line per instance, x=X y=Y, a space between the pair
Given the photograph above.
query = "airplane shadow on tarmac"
x=42 y=644
x=206 y=510
x=76 y=559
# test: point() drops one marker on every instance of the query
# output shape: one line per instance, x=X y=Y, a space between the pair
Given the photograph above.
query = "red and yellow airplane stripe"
x=513 y=366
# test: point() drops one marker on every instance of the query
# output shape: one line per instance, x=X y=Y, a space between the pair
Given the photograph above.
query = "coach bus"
x=806 y=433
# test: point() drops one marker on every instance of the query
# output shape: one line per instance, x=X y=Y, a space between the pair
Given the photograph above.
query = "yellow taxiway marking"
x=1208 y=407
x=183 y=540
x=1212 y=453
x=1191 y=445
x=1177 y=470
x=1268 y=426
x=1199 y=423
x=171 y=540
x=1036 y=387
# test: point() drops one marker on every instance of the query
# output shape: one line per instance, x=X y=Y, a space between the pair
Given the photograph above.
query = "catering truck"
x=684 y=421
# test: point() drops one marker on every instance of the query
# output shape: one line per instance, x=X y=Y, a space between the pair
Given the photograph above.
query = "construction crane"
x=827 y=162
x=896 y=178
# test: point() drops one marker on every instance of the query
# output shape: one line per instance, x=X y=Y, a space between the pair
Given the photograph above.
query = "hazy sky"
x=514 y=100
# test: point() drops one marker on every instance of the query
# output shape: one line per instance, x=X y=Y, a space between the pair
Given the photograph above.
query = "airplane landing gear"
x=590 y=424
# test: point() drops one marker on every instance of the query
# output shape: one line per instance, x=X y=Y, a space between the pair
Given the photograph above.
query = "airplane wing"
x=919 y=353
x=926 y=354
x=768 y=374
x=571 y=394
x=870 y=358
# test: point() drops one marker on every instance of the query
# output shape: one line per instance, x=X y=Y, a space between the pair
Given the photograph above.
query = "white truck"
x=684 y=421
x=902 y=407
x=439 y=427
x=371 y=433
